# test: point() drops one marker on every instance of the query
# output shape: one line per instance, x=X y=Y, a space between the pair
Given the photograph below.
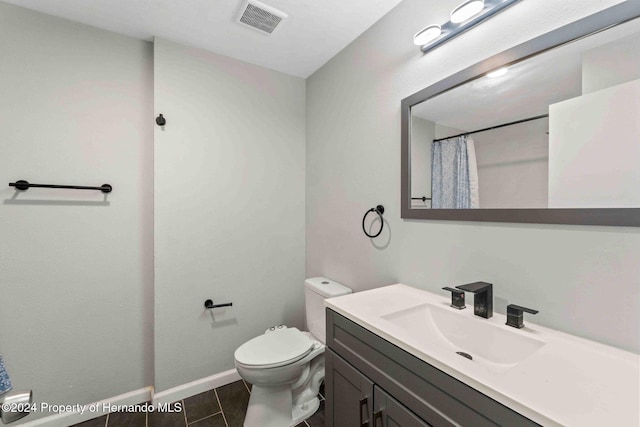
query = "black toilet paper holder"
x=208 y=304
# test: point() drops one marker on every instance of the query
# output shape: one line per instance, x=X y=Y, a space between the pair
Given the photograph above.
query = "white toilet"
x=286 y=366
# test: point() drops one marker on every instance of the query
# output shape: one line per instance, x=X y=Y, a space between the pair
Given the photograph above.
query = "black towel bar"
x=24 y=185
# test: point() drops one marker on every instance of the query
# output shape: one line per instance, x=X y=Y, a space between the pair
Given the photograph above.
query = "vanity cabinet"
x=356 y=401
x=352 y=392
x=370 y=382
x=390 y=413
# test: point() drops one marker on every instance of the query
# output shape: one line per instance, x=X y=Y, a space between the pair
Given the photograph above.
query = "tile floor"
x=222 y=407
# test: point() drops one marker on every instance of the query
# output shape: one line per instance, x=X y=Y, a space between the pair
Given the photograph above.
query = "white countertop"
x=569 y=381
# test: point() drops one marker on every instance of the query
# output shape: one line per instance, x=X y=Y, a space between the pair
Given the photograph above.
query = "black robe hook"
x=160 y=120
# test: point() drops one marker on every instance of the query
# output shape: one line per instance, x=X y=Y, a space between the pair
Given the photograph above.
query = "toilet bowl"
x=286 y=366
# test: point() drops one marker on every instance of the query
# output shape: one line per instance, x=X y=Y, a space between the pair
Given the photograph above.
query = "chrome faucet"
x=482 y=298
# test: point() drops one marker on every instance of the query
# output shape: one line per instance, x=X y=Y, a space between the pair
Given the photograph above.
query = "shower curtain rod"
x=494 y=127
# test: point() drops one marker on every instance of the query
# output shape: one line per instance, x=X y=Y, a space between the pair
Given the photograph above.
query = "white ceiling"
x=314 y=32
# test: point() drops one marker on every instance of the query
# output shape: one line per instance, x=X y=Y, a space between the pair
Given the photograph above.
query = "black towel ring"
x=379 y=210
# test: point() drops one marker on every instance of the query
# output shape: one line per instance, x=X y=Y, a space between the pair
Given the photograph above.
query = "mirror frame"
x=612 y=16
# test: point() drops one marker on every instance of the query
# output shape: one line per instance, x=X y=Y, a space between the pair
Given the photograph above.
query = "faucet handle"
x=515 y=315
x=457 y=298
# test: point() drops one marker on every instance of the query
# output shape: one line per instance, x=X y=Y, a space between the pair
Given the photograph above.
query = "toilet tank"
x=317 y=289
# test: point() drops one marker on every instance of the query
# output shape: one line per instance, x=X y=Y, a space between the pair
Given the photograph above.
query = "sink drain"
x=463 y=354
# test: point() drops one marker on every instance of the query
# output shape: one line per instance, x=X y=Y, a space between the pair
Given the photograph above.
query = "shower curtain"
x=454 y=174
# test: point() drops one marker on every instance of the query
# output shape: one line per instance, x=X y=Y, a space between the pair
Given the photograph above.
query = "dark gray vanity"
x=371 y=382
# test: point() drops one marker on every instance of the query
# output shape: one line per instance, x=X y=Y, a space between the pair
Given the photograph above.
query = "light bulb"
x=466 y=10
x=427 y=35
x=498 y=73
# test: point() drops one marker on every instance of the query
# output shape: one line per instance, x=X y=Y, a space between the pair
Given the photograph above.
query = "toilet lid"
x=275 y=348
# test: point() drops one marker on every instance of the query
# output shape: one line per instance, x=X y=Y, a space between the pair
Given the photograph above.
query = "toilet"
x=286 y=365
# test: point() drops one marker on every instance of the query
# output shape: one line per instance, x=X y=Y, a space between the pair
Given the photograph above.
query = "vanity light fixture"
x=464 y=17
x=498 y=73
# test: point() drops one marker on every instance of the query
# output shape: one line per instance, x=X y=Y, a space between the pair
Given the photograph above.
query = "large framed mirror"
x=555 y=139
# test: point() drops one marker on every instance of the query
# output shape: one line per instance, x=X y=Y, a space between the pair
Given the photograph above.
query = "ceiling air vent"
x=259 y=16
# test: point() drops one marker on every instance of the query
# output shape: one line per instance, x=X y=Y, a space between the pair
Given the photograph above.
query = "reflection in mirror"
x=558 y=130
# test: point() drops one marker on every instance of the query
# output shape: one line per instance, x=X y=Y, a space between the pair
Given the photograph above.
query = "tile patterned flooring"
x=222 y=407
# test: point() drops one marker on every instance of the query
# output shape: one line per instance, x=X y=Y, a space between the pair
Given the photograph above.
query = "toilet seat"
x=278 y=348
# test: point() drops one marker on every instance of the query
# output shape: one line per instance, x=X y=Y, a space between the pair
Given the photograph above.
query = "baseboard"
x=93 y=410
x=195 y=387
x=136 y=397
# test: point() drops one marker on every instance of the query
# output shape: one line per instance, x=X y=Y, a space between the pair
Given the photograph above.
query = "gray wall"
x=584 y=280
x=422 y=135
x=612 y=64
x=513 y=166
x=229 y=208
x=76 y=268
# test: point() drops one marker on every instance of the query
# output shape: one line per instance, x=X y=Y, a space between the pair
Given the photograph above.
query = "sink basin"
x=496 y=346
x=551 y=377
